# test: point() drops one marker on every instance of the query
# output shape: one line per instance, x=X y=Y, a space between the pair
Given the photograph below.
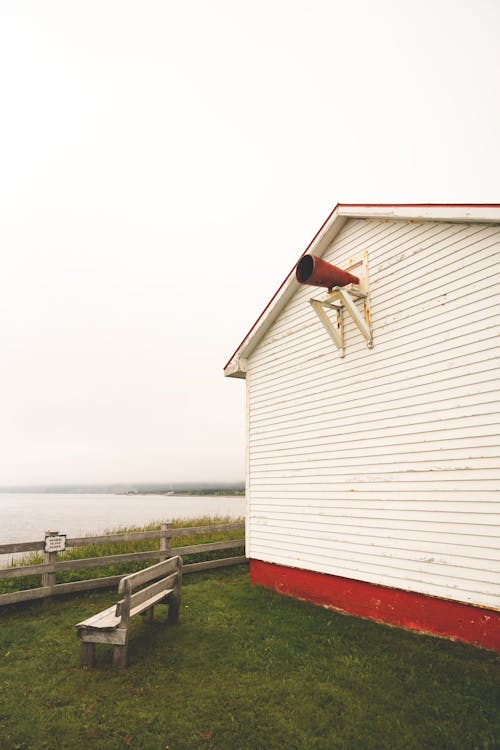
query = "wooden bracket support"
x=343 y=300
x=335 y=333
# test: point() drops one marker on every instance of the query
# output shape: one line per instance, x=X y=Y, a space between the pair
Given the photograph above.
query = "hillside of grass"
x=7 y=585
x=245 y=669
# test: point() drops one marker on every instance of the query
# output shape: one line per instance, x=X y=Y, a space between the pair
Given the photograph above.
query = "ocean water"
x=25 y=517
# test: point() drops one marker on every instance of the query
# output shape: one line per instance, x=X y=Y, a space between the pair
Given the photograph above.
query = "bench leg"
x=120 y=656
x=87 y=658
x=174 y=605
x=148 y=615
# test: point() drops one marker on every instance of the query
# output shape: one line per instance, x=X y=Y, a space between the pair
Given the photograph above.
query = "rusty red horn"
x=317 y=272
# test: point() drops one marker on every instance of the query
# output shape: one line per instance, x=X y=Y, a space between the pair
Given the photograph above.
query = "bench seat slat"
x=107 y=619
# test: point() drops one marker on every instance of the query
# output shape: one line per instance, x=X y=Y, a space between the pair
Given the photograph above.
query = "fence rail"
x=50 y=567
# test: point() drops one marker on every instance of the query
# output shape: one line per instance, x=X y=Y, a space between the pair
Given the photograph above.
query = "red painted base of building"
x=405 y=609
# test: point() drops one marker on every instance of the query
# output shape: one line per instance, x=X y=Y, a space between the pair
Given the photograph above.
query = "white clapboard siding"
x=384 y=466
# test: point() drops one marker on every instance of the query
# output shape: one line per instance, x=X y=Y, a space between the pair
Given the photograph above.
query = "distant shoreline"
x=237 y=491
x=191 y=493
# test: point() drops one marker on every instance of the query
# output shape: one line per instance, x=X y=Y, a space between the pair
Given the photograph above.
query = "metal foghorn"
x=317 y=272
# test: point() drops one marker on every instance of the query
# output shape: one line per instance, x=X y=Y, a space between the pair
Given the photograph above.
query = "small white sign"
x=55 y=543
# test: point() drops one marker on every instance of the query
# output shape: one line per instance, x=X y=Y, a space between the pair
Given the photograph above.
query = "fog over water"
x=26 y=517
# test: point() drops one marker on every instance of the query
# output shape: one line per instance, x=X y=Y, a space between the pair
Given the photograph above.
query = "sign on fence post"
x=54 y=543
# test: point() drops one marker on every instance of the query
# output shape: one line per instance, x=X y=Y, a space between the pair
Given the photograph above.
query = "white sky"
x=164 y=164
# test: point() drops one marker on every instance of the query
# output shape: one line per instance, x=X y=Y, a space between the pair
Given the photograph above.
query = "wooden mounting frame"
x=343 y=300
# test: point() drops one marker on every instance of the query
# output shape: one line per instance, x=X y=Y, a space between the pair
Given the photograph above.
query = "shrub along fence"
x=55 y=544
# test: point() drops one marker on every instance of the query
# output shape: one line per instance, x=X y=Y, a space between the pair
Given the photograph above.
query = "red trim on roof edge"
x=418 y=205
x=280 y=286
x=353 y=205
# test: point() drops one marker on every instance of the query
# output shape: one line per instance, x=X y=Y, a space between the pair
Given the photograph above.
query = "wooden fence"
x=50 y=567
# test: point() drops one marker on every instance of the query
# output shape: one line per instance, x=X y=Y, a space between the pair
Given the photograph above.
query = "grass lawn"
x=246 y=669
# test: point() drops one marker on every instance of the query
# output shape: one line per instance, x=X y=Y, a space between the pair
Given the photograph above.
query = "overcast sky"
x=164 y=164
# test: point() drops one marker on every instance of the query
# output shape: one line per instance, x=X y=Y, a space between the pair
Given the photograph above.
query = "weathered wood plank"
x=130 y=536
x=87 y=585
x=207 y=529
x=195 y=549
x=144 y=606
x=94 y=562
x=81 y=541
x=133 y=536
x=120 y=656
x=105 y=619
x=59 y=589
x=26 y=595
x=166 y=541
x=115 y=636
x=87 y=658
x=164 y=585
x=126 y=536
x=149 y=574
x=27 y=570
x=85 y=562
x=209 y=564
x=7 y=549
x=174 y=605
x=49 y=558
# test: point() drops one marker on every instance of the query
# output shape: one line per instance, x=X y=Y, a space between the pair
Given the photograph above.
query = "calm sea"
x=26 y=517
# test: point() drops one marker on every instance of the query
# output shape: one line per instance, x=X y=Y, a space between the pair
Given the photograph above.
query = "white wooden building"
x=373 y=477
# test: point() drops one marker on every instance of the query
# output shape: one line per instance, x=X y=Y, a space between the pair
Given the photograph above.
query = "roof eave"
x=320 y=243
x=452 y=212
x=458 y=212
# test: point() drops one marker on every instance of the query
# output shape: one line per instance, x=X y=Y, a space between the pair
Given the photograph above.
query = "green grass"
x=8 y=585
x=245 y=669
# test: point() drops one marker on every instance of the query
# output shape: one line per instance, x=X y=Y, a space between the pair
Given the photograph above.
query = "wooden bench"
x=111 y=625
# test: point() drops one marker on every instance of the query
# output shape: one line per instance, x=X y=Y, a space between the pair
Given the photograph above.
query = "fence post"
x=49 y=579
x=165 y=541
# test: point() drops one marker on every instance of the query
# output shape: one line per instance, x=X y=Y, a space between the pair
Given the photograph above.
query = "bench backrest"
x=169 y=574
